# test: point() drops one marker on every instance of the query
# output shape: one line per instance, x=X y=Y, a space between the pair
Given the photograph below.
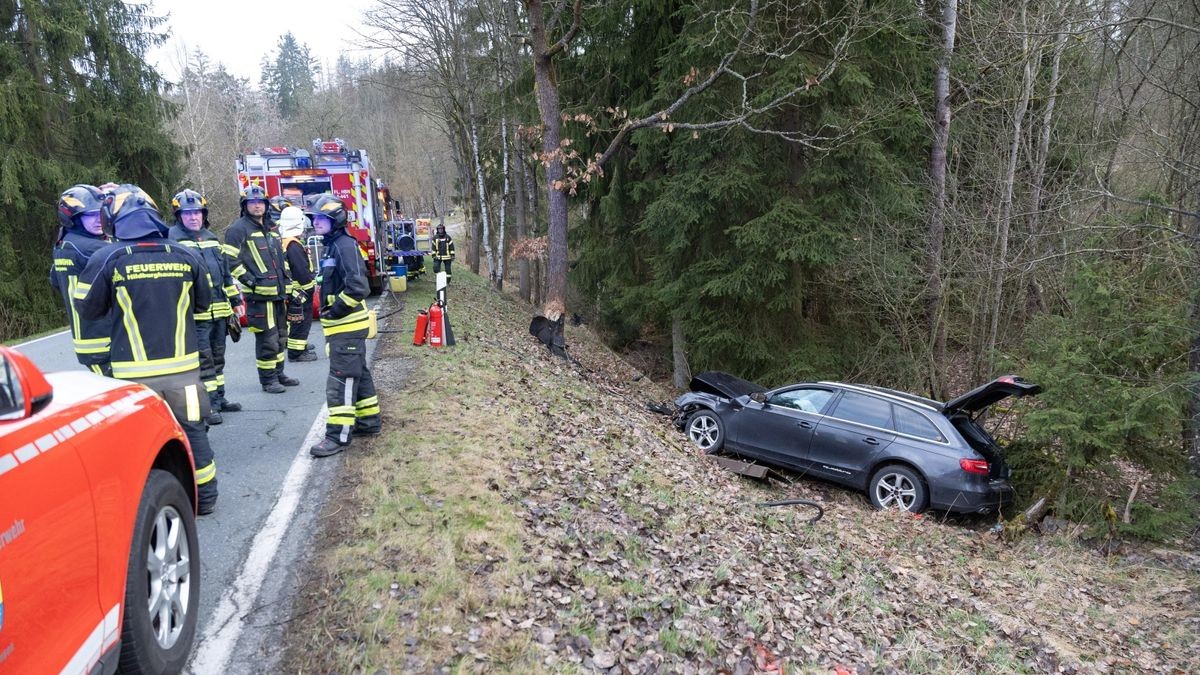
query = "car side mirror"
x=759 y=397
x=23 y=388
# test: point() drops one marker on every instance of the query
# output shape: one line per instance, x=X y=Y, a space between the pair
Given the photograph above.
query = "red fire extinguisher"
x=436 y=329
x=422 y=328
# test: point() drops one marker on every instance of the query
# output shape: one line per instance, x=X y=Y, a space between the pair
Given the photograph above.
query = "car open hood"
x=997 y=390
x=723 y=384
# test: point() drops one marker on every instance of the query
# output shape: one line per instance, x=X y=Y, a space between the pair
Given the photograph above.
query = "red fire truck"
x=331 y=166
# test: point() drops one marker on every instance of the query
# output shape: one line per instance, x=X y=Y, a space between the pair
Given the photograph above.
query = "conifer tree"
x=291 y=76
x=78 y=104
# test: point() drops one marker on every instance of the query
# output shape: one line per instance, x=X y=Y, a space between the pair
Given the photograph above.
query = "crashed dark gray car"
x=904 y=451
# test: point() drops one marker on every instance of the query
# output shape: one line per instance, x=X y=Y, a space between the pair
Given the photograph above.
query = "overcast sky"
x=239 y=33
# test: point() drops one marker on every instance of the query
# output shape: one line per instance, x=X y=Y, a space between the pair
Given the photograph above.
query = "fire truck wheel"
x=375 y=283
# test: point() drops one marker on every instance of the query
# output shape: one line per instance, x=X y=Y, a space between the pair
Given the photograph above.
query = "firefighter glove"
x=235 y=328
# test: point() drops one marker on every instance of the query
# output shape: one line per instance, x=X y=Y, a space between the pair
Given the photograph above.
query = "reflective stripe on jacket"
x=152 y=287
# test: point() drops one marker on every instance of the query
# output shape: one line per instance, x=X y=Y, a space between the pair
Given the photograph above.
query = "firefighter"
x=153 y=287
x=299 y=313
x=443 y=251
x=256 y=261
x=79 y=238
x=191 y=229
x=275 y=208
x=350 y=390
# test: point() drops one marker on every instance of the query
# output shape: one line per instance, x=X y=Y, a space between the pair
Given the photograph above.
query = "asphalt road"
x=270 y=492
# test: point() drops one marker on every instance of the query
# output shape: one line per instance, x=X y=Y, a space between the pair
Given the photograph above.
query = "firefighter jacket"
x=71 y=256
x=256 y=259
x=209 y=250
x=299 y=266
x=443 y=248
x=344 y=287
x=152 y=286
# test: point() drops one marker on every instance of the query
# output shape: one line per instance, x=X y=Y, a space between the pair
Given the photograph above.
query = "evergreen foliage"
x=78 y=104
x=290 y=78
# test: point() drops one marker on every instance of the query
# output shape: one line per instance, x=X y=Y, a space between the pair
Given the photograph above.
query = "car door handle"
x=871 y=441
x=804 y=425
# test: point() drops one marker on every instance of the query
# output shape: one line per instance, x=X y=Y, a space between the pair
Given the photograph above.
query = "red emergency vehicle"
x=330 y=166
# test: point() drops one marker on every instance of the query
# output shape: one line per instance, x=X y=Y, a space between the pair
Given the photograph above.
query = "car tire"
x=705 y=429
x=161 y=604
x=897 y=486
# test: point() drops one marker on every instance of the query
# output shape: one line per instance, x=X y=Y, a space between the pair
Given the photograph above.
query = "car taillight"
x=978 y=466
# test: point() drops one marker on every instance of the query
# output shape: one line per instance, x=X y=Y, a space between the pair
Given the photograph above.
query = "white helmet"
x=292 y=222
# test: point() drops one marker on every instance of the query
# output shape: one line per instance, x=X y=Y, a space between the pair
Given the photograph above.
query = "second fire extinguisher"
x=422 y=328
x=437 y=329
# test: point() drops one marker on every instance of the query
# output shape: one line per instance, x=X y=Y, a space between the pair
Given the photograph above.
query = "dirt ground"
x=523 y=514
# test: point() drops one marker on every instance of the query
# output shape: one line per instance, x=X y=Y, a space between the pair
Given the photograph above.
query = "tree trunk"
x=555 y=304
x=1004 y=221
x=519 y=207
x=682 y=373
x=937 y=217
x=480 y=192
x=1043 y=152
x=529 y=182
x=498 y=274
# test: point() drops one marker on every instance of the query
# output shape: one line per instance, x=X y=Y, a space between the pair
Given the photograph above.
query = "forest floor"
x=523 y=514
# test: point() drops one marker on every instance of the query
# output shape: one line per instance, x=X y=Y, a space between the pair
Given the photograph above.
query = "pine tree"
x=291 y=77
x=78 y=104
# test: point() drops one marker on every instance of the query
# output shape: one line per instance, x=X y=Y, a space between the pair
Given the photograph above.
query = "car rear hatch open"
x=963 y=411
x=993 y=392
x=723 y=384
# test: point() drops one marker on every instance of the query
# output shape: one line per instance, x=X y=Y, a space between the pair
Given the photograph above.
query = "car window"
x=914 y=423
x=12 y=405
x=855 y=407
x=807 y=399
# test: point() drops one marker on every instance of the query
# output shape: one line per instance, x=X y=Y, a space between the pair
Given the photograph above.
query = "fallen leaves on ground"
x=630 y=553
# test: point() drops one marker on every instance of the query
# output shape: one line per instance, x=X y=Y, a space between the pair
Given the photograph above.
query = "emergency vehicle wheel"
x=162 y=585
x=706 y=430
x=375 y=283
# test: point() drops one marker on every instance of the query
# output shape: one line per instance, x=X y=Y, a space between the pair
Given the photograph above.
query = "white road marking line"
x=44 y=337
x=217 y=643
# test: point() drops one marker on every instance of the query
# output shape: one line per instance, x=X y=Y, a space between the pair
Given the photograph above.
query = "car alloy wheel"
x=162 y=588
x=168 y=572
x=895 y=490
x=705 y=431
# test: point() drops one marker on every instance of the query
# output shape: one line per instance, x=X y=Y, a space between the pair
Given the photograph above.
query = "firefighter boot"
x=361 y=429
x=288 y=381
x=326 y=448
x=295 y=357
x=273 y=388
x=224 y=404
x=214 y=415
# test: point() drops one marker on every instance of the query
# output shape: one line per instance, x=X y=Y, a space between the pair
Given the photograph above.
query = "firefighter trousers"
x=437 y=267
x=210 y=336
x=268 y=322
x=350 y=391
x=184 y=395
x=297 y=338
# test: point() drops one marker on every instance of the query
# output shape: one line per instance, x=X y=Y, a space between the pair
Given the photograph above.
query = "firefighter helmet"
x=76 y=201
x=332 y=208
x=276 y=206
x=130 y=213
x=189 y=200
x=252 y=192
